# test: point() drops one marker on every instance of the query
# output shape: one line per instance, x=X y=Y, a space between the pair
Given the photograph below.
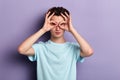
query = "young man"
x=56 y=58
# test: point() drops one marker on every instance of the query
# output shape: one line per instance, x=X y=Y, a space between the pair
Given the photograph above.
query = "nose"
x=57 y=28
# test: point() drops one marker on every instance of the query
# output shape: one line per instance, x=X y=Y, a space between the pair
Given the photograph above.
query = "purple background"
x=98 y=21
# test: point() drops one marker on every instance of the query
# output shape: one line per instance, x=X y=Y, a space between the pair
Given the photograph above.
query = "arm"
x=86 y=49
x=25 y=47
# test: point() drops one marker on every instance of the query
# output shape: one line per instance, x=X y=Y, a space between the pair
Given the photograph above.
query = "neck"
x=58 y=40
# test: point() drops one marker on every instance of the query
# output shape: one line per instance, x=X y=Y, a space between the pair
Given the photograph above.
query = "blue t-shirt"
x=56 y=61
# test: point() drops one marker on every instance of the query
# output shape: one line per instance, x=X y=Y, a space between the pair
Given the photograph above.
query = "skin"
x=57 y=25
x=57 y=33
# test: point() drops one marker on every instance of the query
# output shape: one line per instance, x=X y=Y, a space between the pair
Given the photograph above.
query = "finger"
x=47 y=14
x=51 y=16
x=70 y=18
x=53 y=23
x=64 y=16
x=67 y=14
x=62 y=27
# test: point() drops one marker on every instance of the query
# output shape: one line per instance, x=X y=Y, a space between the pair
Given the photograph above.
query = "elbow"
x=90 y=52
x=20 y=50
x=87 y=53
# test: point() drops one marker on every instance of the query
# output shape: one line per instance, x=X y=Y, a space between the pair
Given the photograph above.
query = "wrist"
x=72 y=29
x=43 y=30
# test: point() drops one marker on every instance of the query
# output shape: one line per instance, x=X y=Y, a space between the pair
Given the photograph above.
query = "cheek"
x=52 y=31
x=63 y=31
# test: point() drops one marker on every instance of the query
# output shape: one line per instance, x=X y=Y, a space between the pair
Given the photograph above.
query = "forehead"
x=57 y=18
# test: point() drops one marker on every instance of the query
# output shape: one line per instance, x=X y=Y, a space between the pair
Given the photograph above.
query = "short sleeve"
x=36 y=48
x=77 y=50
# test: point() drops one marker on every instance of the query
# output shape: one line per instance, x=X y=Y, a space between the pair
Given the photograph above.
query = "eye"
x=62 y=24
x=52 y=24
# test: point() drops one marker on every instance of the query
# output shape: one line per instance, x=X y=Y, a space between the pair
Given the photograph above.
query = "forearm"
x=84 y=45
x=27 y=44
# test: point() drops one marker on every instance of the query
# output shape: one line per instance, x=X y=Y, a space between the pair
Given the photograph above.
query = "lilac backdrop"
x=97 y=20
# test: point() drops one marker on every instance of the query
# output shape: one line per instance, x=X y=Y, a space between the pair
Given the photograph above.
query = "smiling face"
x=57 y=32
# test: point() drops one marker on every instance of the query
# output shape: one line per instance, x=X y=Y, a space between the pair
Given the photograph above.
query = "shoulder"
x=39 y=44
x=74 y=44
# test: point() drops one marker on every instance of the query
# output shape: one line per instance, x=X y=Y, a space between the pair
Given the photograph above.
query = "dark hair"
x=58 y=11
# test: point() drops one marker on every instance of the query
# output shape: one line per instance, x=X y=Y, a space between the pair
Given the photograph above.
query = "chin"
x=58 y=36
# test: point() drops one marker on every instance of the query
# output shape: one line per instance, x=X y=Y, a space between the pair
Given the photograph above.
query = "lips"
x=57 y=33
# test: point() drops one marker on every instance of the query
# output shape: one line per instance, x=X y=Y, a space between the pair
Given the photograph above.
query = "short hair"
x=58 y=11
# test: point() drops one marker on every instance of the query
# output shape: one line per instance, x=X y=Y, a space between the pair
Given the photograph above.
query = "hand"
x=68 y=21
x=48 y=24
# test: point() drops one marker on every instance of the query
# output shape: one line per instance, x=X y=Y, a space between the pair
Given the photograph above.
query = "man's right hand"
x=48 y=25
